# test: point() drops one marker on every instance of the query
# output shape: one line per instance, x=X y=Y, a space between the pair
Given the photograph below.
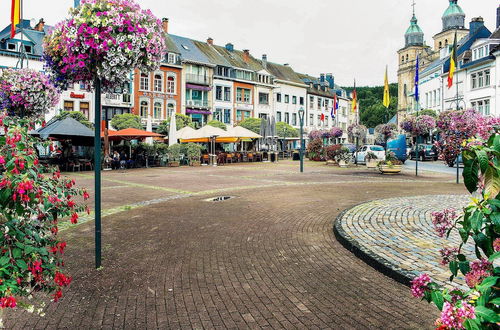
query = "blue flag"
x=77 y=3
x=417 y=97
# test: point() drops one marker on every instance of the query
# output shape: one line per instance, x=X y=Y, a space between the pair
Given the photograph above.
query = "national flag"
x=453 y=62
x=15 y=17
x=322 y=117
x=354 y=99
x=335 y=106
x=387 y=97
x=417 y=97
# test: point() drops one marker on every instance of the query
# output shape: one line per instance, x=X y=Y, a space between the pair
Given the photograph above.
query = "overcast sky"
x=351 y=39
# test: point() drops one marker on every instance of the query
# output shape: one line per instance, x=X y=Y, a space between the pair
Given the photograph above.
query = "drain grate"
x=219 y=199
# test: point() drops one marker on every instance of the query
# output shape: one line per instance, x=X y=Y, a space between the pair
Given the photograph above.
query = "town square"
x=165 y=169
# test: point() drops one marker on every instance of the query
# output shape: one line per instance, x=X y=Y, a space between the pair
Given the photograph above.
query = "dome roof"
x=453 y=9
x=414 y=36
x=453 y=17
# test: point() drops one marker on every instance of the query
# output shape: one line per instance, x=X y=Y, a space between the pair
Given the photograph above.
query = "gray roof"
x=283 y=72
x=237 y=59
x=211 y=53
x=36 y=37
x=66 y=128
x=171 y=47
x=188 y=50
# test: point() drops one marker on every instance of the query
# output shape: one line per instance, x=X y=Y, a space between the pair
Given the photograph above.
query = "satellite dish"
x=32 y=22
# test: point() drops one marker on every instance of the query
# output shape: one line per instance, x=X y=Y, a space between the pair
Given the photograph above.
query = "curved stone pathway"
x=397 y=236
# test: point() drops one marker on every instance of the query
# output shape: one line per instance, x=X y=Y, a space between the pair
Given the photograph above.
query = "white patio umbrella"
x=172 y=132
x=242 y=133
x=185 y=132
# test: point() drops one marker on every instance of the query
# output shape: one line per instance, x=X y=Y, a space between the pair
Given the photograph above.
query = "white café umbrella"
x=172 y=132
x=149 y=128
x=185 y=133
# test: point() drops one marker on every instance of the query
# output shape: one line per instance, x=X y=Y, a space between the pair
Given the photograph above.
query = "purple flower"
x=479 y=270
x=419 y=285
x=443 y=221
x=448 y=255
x=454 y=317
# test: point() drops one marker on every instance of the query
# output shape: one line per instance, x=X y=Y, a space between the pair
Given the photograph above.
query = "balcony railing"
x=197 y=103
x=198 y=79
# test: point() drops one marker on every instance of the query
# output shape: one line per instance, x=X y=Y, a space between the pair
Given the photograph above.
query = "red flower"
x=85 y=195
x=6 y=302
x=74 y=218
x=57 y=295
x=61 y=279
x=19 y=281
x=71 y=204
x=62 y=246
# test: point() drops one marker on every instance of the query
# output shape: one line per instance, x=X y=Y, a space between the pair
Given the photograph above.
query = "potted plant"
x=331 y=153
x=193 y=151
x=162 y=150
x=391 y=165
x=174 y=155
x=344 y=157
x=315 y=150
x=371 y=160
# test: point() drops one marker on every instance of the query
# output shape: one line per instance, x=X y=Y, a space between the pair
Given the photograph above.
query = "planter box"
x=195 y=163
x=343 y=163
x=371 y=164
x=173 y=164
x=393 y=169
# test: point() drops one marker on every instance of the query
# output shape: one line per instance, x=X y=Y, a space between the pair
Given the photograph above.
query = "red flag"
x=15 y=17
x=322 y=117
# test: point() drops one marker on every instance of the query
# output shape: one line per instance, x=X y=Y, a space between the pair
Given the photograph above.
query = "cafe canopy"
x=207 y=134
x=66 y=129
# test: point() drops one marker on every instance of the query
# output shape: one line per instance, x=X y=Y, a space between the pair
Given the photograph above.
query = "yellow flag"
x=15 y=16
x=387 y=97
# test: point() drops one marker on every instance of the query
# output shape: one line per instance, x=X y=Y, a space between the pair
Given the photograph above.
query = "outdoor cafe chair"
x=250 y=157
x=229 y=158
x=205 y=159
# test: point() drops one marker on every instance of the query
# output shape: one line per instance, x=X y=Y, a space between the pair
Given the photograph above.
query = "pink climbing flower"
x=496 y=245
x=479 y=270
x=443 y=221
x=453 y=317
x=448 y=255
x=419 y=285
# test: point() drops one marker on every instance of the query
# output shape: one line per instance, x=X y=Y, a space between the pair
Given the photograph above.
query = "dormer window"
x=28 y=49
x=11 y=46
x=185 y=47
x=172 y=58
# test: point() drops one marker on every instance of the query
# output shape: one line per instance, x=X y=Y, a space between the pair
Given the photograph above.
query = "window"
x=157 y=110
x=246 y=95
x=239 y=92
x=144 y=109
x=480 y=106
x=227 y=116
x=158 y=83
x=402 y=59
x=69 y=105
x=311 y=120
x=144 y=83
x=311 y=102
x=84 y=108
x=243 y=95
x=440 y=44
x=218 y=115
x=486 y=107
x=327 y=102
x=319 y=102
x=487 y=78
x=475 y=54
x=294 y=99
x=287 y=98
x=481 y=52
x=11 y=46
x=227 y=94
x=294 y=119
x=473 y=81
x=287 y=118
x=171 y=84
x=278 y=116
x=439 y=96
x=218 y=94
x=326 y=120
x=405 y=90
x=263 y=98
x=172 y=58
x=434 y=98
x=278 y=97
x=28 y=49
x=319 y=119
x=480 y=79
x=170 y=109
x=242 y=115
x=301 y=100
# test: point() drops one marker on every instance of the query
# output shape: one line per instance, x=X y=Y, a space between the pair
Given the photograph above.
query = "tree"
x=252 y=124
x=77 y=115
x=428 y=112
x=127 y=120
x=181 y=121
x=218 y=124
x=283 y=130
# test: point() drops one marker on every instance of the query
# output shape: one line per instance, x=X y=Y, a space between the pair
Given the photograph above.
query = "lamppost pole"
x=301 y=152
x=97 y=170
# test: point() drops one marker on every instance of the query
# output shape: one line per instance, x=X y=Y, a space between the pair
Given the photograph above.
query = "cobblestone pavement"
x=398 y=237
x=266 y=258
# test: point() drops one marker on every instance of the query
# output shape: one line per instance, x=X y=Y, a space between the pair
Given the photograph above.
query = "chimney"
x=475 y=25
x=330 y=80
x=164 y=23
x=264 y=61
x=322 y=77
x=246 y=55
x=210 y=41
x=40 y=25
x=498 y=17
x=230 y=47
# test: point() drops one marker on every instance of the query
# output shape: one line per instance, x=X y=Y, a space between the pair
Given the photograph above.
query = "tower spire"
x=413 y=5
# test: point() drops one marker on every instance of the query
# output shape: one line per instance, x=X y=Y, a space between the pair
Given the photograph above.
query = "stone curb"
x=375 y=261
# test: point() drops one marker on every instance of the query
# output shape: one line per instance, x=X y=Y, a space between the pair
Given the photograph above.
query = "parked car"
x=377 y=150
x=425 y=152
x=350 y=146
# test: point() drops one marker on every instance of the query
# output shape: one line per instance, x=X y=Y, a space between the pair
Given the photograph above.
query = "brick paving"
x=266 y=258
x=397 y=236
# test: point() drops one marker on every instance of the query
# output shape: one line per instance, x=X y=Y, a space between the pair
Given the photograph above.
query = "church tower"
x=407 y=56
x=453 y=20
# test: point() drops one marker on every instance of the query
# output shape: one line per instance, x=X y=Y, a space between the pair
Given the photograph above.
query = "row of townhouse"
x=202 y=80
x=477 y=76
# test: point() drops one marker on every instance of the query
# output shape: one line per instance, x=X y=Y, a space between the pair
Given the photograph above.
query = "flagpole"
x=458 y=108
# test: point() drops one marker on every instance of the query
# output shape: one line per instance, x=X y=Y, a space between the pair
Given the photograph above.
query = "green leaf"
x=496 y=143
x=483 y=242
x=483 y=159
x=454 y=268
x=487 y=315
x=464 y=234
x=494 y=256
x=21 y=264
x=464 y=267
x=476 y=221
x=470 y=175
x=483 y=298
x=491 y=183
x=4 y=260
x=487 y=283
x=495 y=301
x=472 y=324
x=17 y=253
x=437 y=298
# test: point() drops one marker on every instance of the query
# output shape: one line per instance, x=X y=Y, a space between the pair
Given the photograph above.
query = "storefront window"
x=84 y=108
x=144 y=109
x=69 y=105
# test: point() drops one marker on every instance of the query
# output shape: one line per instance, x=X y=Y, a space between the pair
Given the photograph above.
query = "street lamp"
x=301 y=152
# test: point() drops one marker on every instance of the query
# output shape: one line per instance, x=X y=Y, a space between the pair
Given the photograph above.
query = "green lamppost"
x=301 y=152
